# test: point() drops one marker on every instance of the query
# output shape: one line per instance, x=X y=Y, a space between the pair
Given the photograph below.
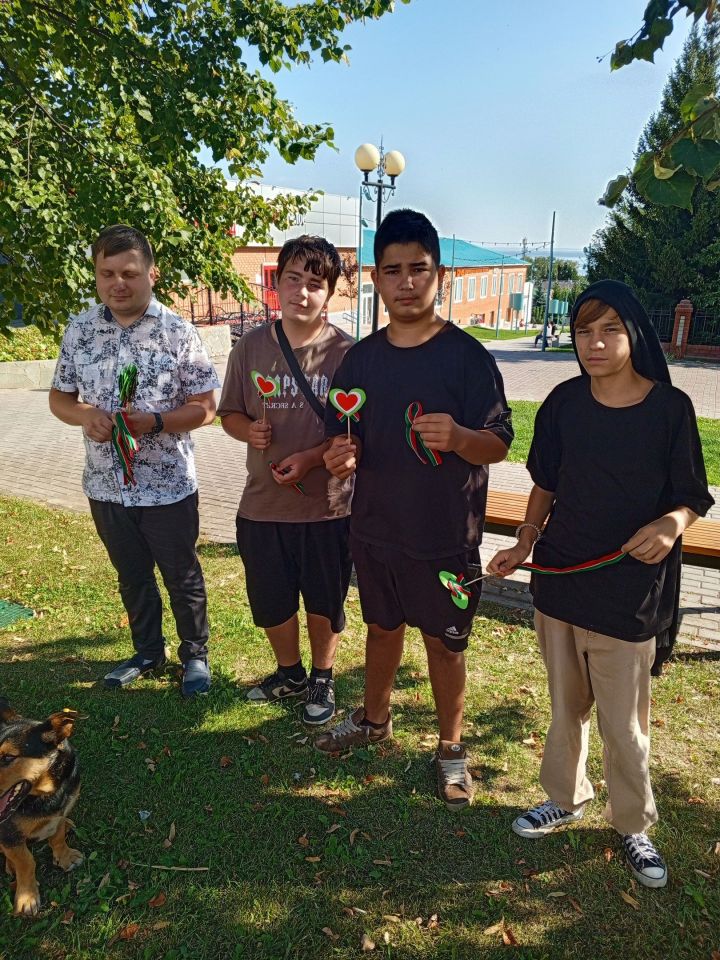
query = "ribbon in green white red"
x=458 y=585
x=123 y=440
x=296 y=486
x=415 y=441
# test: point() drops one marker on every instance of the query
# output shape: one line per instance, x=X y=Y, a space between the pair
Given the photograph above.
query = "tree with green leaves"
x=104 y=108
x=668 y=174
x=667 y=252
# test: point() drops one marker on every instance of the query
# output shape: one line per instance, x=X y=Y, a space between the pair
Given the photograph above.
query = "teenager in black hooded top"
x=617 y=465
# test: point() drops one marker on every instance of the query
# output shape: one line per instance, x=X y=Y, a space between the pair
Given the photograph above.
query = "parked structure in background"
x=480 y=283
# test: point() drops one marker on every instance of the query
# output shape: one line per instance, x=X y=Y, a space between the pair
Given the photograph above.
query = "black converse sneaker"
x=278 y=687
x=644 y=861
x=544 y=818
x=320 y=704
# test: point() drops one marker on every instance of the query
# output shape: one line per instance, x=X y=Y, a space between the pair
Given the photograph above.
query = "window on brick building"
x=472 y=282
x=483 y=286
x=458 y=290
x=512 y=283
x=494 y=283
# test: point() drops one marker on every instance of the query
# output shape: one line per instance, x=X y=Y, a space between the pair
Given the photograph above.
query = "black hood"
x=647 y=357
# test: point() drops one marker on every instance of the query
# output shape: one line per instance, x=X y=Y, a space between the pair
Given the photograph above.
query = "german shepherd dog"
x=39 y=786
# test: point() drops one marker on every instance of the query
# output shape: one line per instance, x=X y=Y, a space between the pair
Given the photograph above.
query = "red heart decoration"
x=345 y=400
x=265 y=386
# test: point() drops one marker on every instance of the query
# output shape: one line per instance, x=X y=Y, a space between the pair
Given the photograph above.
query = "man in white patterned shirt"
x=153 y=521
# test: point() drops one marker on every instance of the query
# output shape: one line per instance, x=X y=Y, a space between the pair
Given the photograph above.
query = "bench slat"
x=701 y=542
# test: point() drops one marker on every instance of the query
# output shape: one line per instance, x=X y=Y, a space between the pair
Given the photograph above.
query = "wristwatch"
x=159 y=424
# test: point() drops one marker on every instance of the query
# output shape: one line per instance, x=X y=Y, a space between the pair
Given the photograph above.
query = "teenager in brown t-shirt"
x=292 y=522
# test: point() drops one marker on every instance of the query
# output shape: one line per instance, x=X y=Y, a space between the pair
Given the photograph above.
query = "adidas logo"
x=451 y=632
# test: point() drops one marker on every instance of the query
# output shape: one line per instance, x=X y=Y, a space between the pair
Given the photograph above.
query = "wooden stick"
x=159 y=866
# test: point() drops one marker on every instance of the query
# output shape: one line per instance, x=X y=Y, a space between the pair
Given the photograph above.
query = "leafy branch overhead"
x=691 y=156
x=103 y=111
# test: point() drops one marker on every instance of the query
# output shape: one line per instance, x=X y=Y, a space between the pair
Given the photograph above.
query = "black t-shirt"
x=613 y=470
x=425 y=511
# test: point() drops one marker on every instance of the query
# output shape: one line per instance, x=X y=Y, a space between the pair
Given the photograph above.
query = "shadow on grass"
x=295 y=841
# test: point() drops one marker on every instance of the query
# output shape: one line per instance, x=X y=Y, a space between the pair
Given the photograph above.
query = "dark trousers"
x=137 y=538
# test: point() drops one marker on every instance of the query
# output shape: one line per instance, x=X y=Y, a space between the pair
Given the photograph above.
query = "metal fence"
x=208 y=306
x=705 y=329
x=663 y=319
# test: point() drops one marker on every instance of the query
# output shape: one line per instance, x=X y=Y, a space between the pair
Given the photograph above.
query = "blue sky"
x=501 y=109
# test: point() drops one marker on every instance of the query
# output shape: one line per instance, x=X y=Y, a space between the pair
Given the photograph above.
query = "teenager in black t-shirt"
x=617 y=466
x=434 y=416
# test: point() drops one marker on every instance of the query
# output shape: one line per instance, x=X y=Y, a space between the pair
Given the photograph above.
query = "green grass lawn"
x=488 y=333
x=524 y=411
x=301 y=854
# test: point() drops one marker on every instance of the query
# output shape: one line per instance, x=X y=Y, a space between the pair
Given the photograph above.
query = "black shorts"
x=286 y=560
x=395 y=589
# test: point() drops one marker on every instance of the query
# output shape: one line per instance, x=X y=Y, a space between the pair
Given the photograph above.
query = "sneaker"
x=646 y=864
x=454 y=783
x=544 y=818
x=350 y=732
x=196 y=677
x=277 y=687
x=320 y=705
x=130 y=670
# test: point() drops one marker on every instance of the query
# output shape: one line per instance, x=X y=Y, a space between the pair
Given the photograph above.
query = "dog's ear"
x=60 y=725
x=6 y=711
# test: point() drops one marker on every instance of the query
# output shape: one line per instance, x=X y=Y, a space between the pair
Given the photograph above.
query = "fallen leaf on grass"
x=495 y=928
x=303 y=841
x=715 y=955
x=658 y=722
x=67 y=917
x=313 y=859
x=160 y=925
x=366 y=944
x=128 y=932
x=557 y=893
x=575 y=905
x=333 y=828
x=168 y=841
x=265 y=779
x=500 y=889
x=392 y=918
x=703 y=873
x=353 y=835
x=696 y=800
x=116 y=722
x=533 y=740
x=104 y=882
x=330 y=933
x=433 y=923
x=717 y=849
x=630 y=900
x=608 y=853
x=715 y=781
x=225 y=762
x=157 y=901
x=509 y=938
x=383 y=863
x=386 y=937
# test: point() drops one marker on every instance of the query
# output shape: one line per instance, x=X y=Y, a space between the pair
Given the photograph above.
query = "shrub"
x=28 y=343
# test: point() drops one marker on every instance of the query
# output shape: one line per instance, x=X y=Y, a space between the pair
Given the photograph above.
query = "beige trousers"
x=584 y=668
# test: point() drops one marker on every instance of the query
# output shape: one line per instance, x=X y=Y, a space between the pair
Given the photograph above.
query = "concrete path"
x=42 y=459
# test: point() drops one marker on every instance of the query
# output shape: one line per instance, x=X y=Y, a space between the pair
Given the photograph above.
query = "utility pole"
x=452 y=281
x=549 y=287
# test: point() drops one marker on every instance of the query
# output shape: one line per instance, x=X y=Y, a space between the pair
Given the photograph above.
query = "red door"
x=270 y=297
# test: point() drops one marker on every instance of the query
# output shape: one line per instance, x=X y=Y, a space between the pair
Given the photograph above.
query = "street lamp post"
x=368 y=158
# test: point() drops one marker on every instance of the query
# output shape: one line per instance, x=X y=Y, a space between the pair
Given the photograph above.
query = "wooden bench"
x=701 y=542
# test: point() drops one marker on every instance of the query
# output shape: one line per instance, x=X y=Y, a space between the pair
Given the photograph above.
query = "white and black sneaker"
x=320 y=704
x=644 y=860
x=276 y=687
x=544 y=818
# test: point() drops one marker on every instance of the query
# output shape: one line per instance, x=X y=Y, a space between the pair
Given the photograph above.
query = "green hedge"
x=27 y=343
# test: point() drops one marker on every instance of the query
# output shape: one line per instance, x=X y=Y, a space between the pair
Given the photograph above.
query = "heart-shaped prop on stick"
x=266 y=387
x=347 y=403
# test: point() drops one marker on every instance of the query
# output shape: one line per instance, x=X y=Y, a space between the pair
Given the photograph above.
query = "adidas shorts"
x=395 y=589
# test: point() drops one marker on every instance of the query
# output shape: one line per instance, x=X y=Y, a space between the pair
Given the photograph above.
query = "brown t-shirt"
x=295 y=426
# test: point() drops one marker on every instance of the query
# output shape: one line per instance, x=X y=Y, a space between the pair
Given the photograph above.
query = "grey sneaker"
x=351 y=732
x=544 y=818
x=130 y=670
x=646 y=864
x=278 y=687
x=454 y=783
x=320 y=704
